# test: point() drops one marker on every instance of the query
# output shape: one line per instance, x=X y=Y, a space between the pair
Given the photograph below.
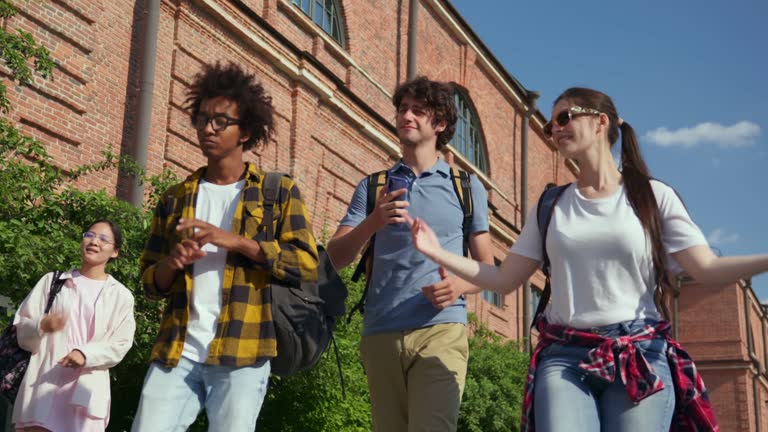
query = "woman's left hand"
x=75 y=359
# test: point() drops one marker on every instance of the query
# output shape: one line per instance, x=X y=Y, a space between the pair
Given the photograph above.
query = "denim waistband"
x=621 y=328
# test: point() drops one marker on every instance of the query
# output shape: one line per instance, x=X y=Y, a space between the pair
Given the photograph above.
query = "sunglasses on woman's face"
x=565 y=116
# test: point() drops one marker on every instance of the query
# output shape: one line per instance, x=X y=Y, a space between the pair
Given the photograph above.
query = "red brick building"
x=331 y=68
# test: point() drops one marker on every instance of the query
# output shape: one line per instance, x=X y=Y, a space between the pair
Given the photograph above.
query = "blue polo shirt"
x=394 y=301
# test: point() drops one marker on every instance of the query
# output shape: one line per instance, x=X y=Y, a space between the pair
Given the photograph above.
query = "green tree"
x=496 y=376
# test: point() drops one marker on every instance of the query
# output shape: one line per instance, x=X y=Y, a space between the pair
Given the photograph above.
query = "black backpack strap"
x=374 y=182
x=56 y=284
x=271 y=190
x=544 y=211
x=463 y=189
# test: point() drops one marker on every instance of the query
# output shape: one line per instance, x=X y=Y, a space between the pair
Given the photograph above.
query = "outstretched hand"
x=424 y=239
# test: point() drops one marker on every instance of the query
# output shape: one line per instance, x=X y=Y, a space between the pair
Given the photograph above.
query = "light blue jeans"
x=172 y=398
x=568 y=398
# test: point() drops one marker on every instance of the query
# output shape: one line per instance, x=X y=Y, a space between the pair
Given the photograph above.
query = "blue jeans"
x=172 y=398
x=568 y=398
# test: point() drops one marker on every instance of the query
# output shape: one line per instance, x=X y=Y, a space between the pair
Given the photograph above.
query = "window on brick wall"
x=468 y=139
x=491 y=297
x=535 y=300
x=326 y=14
x=494 y=298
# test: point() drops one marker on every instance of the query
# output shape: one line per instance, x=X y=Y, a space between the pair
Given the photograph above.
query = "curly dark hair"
x=254 y=106
x=438 y=98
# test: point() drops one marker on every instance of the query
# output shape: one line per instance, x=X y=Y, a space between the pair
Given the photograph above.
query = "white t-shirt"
x=601 y=264
x=216 y=204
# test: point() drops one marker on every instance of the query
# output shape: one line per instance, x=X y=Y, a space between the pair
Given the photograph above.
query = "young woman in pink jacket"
x=88 y=330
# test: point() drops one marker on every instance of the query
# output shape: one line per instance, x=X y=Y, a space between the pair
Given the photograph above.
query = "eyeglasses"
x=90 y=235
x=218 y=122
x=565 y=116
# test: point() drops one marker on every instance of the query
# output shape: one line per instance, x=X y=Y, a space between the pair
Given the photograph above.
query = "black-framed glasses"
x=565 y=116
x=218 y=122
x=90 y=235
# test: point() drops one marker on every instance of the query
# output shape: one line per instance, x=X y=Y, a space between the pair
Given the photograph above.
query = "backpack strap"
x=375 y=183
x=270 y=189
x=544 y=211
x=461 y=186
x=56 y=284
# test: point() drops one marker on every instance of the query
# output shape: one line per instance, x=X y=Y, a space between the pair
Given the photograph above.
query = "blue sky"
x=690 y=76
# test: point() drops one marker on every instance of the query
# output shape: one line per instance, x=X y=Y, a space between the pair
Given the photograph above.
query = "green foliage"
x=312 y=400
x=495 y=379
x=17 y=50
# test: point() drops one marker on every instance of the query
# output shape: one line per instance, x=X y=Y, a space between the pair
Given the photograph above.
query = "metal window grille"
x=325 y=13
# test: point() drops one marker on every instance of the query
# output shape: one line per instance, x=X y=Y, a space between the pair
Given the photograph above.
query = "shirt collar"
x=252 y=173
x=441 y=166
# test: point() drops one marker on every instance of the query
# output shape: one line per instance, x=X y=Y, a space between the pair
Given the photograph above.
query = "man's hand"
x=445 y=292
x=204 y=233
x=389 y=209
x=184 y=253
x=75 y=359
x=53 y=322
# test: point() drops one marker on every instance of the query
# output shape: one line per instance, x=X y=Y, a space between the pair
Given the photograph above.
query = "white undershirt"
x=216 y=205
x=602 y=268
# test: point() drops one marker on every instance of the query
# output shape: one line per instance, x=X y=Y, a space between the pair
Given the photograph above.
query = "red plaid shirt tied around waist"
x=693 y=411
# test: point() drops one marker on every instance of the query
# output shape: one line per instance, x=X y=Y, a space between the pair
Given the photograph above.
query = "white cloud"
x=741 y=134
x=719 y=237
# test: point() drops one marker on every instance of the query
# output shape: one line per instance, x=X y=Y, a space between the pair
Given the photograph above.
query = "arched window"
x=324 y=13
x=468 y=139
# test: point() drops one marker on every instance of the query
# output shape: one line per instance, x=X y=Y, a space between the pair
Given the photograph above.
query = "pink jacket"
x=114 y=326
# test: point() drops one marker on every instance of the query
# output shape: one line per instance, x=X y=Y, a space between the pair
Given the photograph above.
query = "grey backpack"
x=304 y=316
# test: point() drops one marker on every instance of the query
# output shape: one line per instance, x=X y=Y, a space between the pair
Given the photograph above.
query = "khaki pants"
x=416 y=377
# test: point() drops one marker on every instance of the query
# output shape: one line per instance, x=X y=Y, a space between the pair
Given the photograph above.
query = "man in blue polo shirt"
x=414 y=345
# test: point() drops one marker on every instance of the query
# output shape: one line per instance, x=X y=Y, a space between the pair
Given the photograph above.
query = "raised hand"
x=389 y=209
x=424 y=239
x=204 y=233
x=53 y=322
x=184 y=253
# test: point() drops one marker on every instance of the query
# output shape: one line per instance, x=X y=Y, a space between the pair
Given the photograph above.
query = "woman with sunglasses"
x=605 y=359
x=88 y=330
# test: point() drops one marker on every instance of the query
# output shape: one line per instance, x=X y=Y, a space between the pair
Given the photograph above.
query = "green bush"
x=496 y=376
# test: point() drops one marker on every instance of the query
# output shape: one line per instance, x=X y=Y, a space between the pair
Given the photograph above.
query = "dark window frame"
x=326 y=14
x=468 y=139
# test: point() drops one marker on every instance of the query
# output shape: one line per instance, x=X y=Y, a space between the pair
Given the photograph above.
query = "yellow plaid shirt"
x=245 y=332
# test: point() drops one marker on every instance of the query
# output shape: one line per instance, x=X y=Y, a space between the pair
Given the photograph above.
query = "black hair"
x=438 y=98
x=230 y=81
x=117 y=234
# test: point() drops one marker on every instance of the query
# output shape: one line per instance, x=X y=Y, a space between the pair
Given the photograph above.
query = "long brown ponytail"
x=637 y=182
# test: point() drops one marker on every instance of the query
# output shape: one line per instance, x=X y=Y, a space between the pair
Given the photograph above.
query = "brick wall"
x=724 y=330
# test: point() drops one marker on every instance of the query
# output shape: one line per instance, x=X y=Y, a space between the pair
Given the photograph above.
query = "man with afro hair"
x=208 y=256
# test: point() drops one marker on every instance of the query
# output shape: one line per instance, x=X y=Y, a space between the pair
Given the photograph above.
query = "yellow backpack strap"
x=375 y=183
x=463 y=189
